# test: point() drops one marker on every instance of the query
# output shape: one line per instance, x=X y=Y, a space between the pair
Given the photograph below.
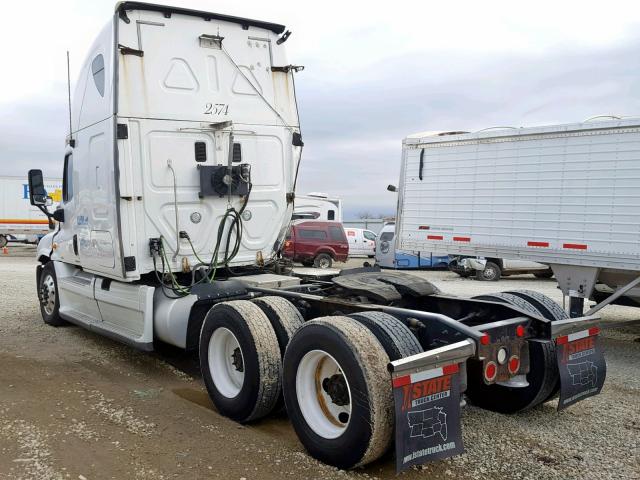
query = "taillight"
x=520 y=331
x=490 y=371
x=485 y=340
x=514 y=364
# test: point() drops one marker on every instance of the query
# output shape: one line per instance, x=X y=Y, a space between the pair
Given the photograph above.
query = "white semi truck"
x=178 y=190
x=567 y=196
x=18 y=218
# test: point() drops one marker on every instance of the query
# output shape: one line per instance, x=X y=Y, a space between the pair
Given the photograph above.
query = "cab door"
x=368 y=243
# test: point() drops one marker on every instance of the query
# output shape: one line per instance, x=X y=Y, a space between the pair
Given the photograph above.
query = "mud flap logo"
x=427 y=408
x=581 y=365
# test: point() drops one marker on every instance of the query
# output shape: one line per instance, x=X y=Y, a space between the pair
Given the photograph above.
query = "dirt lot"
x=76 y=405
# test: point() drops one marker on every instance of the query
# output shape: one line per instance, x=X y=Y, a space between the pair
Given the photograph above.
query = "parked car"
x=361 y=242
x=388 y=257
x=491 y=269
x=317 y=244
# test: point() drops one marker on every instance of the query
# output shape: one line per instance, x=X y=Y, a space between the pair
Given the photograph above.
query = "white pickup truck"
x=492 y=269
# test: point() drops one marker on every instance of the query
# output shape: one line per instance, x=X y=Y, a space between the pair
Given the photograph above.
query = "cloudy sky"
x=373 y=75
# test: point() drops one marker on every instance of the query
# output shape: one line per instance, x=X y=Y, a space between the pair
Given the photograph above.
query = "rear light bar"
x=425 y=375
x=577 y=336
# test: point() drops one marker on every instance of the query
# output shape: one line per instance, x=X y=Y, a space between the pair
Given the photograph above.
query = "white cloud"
x=375 y=72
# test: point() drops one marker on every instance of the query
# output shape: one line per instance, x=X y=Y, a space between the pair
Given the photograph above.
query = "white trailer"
x=178 y=190
x=567 y=196
x=18 y=218
x=318 y=206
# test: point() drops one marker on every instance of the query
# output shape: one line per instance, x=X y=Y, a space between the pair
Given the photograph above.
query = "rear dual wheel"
x=337 y=391
x=240 y=360
x=543 y=377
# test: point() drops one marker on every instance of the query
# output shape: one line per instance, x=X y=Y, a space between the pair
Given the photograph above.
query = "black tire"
x=543 y=374
x=511 y=299
x=260 y=359
x=48 y=287
x=323 y=260
x=491 y=273
x=368 y=431
x=284 y=317
x=551 y=311
x=547 y=307
x=542 y=378
x=394 y=336
x=544 y=274
x=307 y=263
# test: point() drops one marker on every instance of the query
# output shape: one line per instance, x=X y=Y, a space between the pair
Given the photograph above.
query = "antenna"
x=71 y=142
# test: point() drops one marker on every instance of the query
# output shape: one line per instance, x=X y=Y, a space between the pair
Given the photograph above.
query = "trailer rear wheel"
x=394 y=336
x=240 y=360
x=542 y=376
x=338 y=391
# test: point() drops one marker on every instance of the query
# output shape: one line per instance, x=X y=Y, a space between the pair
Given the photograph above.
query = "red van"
x=317 y=243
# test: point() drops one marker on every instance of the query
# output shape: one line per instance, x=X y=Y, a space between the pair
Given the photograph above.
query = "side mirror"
x=58 y=215
x=392 y=188
x=37 y=193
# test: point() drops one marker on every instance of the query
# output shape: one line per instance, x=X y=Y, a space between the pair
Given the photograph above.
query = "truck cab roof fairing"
x=122 y=7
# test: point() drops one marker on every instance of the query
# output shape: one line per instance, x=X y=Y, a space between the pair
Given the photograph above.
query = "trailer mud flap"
x=581 y=365
x=427 y=406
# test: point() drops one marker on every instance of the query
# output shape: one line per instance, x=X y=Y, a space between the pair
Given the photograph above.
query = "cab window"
x=310 y=234
x=369 y=235
x=336 y=234
x=67 y=179
x=386 y=236
x=331 y=215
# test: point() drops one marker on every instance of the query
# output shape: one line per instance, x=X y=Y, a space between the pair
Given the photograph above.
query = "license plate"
x=581 y=365
x=427 y=406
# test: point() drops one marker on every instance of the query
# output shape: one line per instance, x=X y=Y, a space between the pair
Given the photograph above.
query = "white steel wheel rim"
x=48 y=293
x=324 y=262
x=320 y=412
x=224 y=350
x=489 y=272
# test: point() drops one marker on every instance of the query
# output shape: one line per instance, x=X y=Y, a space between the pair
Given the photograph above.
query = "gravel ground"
x=77 y=405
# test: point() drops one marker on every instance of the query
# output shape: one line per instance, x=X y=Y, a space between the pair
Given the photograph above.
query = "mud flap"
x=427 y=406
x=581 y=365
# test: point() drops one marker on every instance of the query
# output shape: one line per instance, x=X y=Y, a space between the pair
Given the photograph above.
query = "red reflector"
x=485 y=340
x=461 y=239
x=575 y=246
x=490 y=371
x=537 y=244
x=514 y=364
x=434 y=237
x=562 y=340
x=449 y=369
x=401 y=381
x=520 y=331
x=594 y=331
